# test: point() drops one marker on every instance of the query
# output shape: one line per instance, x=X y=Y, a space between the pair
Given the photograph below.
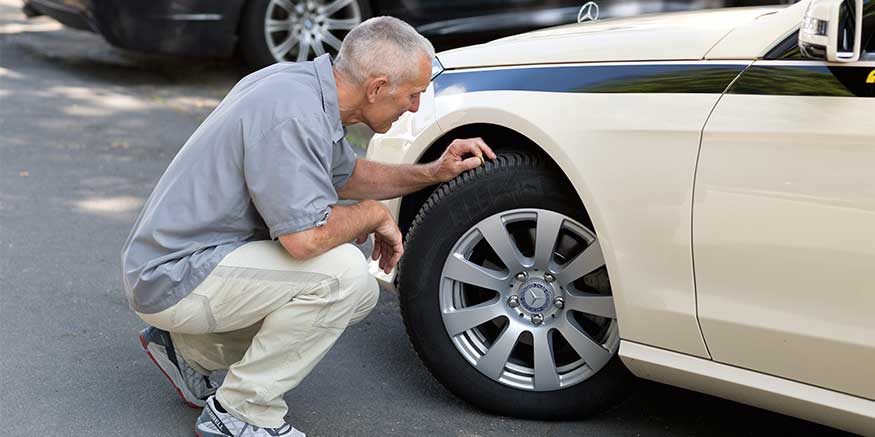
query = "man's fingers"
x=464 y=147
x=473 y=146
x=472 y=162
x=396 y=251
x=377 y=247
x=386 y=261
x=361 y=239
x=399 y=251
x=485 y=148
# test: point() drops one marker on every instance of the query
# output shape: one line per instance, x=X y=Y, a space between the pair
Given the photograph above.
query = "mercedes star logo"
x=588 y=12
x=537 y=296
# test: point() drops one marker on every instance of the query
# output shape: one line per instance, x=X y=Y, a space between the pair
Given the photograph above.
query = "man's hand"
x=388 y=244
x=452 y=163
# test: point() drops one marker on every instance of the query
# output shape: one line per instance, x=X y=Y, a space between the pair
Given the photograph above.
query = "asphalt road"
x=85 y=132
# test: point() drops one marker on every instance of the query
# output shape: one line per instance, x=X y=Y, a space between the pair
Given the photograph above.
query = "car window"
x=868 y=31
x=786 y=49
x=789 y=47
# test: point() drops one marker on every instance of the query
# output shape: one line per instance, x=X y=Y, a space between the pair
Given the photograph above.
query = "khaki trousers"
x=268 y=319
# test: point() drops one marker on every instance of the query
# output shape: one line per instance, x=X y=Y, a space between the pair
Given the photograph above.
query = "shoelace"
x=283 y=430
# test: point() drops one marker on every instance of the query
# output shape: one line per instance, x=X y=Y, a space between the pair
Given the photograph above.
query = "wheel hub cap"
x=536 y=295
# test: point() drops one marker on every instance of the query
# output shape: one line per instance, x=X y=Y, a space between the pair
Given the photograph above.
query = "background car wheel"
x=505 y=294
x=296 y=30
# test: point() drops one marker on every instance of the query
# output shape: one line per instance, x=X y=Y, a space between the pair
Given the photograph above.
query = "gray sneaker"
x=194 y=387
x=213 y=423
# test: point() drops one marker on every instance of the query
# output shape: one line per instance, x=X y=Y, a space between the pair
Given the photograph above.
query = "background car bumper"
x=68 y=14
x=190 y=27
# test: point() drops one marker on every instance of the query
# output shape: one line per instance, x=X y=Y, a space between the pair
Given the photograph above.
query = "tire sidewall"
x=253 y=46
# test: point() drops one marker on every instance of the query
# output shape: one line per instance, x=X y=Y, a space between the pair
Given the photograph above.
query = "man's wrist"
x=375 y=210
x=430 y=173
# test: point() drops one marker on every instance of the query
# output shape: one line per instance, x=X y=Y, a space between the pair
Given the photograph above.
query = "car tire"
x=254 y=46
x=514 y=180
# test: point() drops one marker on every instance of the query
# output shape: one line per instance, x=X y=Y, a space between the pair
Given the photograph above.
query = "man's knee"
x=370 y=294
x=353 y=262
x=359 y=285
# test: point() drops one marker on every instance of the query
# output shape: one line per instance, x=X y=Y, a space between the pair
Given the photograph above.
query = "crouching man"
x=241 y=259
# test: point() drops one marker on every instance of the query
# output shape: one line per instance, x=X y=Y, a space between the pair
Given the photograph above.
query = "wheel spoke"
x=287 y=5
x=278 y=26
x=318 y=50
x=591 y=304
x=587 y=262
x=459 y=321
x=335 y=6
x=331 y=40
x=546 y=377
x=341 y=24
x=492 y=364
x=304 y=50
x=279 y=52
x=469 y=273
x=495 y=233
x=591 y=352
x=549 y=225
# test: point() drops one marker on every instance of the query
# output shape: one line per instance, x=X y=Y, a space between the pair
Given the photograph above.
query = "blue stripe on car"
x=623 y=78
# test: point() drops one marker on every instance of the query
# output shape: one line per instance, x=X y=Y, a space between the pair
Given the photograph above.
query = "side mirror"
x=831 y=30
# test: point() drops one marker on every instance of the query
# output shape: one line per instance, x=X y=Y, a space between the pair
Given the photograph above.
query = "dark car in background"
x=267 y=31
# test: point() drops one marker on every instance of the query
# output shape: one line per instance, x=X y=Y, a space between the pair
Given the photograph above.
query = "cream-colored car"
x=688 y=197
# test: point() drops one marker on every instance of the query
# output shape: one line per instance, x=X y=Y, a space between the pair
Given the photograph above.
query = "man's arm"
x=373 y=180
x=344 y=224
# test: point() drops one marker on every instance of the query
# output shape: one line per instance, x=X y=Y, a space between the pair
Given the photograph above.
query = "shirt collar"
x=328 y=88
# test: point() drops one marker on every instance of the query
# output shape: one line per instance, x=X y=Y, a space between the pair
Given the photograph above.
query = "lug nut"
x=559 y=302
x=513 y=301
x=549 y=277
x=521 y=276
x=537 y=319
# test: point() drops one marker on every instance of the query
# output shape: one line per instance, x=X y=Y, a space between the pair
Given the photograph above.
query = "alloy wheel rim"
x=523 y=316
x=296 y=29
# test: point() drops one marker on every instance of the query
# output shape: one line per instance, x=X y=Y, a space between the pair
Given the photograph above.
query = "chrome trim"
x=196 y=17
x=543 y=18
x=436 y=68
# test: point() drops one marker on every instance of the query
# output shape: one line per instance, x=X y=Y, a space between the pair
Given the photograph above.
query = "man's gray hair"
x=382 y=46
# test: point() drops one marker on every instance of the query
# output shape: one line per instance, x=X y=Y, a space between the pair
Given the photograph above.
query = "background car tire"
x=253 y=45
x=514 y=180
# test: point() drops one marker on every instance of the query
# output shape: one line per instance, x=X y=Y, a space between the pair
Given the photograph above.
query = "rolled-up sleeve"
x=343 y=163
x=289 y=176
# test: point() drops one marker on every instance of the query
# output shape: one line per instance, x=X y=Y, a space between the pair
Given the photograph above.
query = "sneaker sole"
x=175 y=385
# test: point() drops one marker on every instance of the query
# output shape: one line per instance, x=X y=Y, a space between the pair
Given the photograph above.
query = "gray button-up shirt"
x=265 y=163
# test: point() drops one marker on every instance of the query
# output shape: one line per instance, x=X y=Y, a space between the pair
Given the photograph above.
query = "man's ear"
x=376 y=86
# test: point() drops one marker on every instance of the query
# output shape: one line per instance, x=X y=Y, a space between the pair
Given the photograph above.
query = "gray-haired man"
x=240 y=258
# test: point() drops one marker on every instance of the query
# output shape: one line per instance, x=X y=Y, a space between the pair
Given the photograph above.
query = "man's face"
x=384 y=108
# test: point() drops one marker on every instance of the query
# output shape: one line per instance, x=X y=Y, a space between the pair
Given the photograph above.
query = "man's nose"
x=415 y=106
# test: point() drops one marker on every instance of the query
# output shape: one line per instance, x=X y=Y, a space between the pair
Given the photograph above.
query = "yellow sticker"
x=871 y=78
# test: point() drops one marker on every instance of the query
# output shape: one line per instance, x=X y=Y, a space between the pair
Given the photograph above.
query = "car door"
x=784 y=221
